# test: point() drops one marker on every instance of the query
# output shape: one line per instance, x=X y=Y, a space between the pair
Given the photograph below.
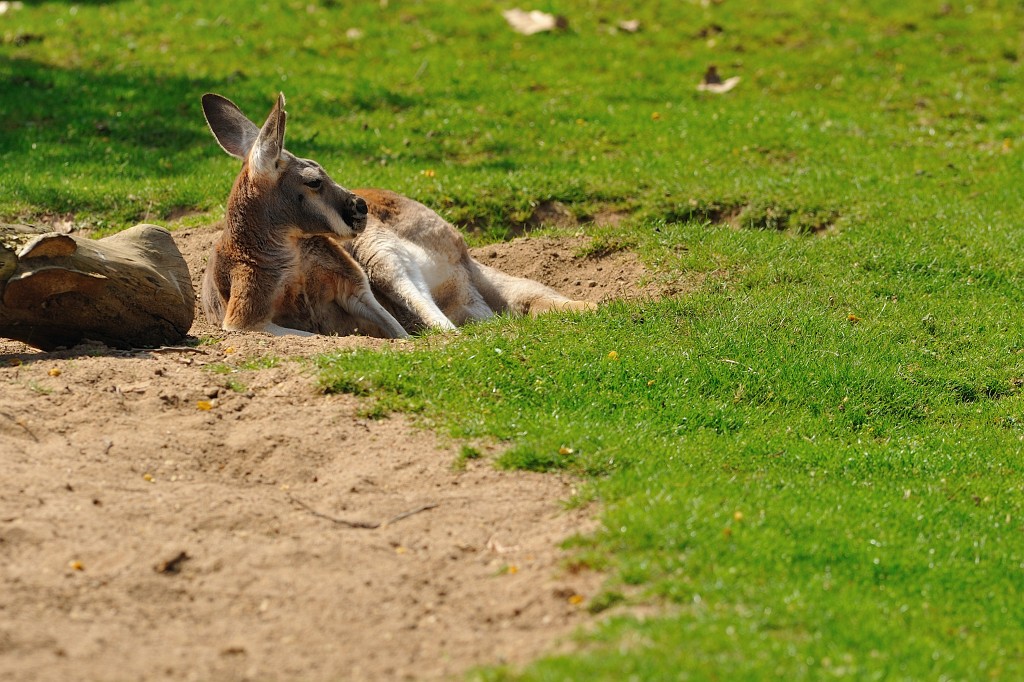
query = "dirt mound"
x=206 y=513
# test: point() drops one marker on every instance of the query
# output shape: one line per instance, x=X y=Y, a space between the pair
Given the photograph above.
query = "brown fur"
x=302 y=254
x=279 y=265
x=383 y=204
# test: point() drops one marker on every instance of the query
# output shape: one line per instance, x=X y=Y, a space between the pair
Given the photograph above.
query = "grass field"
x=812 y=463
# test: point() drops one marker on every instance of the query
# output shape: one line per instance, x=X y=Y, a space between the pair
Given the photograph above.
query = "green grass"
x=802 y=488
x=466 y=454
x=813 y=461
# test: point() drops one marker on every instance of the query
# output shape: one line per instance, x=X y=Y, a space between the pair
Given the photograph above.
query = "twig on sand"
x=175 y=349
x=407 y=514
x=365 y=525
x=21 y=423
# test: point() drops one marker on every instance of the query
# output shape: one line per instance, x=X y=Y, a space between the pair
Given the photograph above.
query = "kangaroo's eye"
x=314 y=184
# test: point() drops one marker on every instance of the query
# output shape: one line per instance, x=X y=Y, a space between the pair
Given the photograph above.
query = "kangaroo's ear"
x=267 y=148
x=234 y=132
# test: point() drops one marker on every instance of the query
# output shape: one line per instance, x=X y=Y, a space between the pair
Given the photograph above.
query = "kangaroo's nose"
x=361 y=209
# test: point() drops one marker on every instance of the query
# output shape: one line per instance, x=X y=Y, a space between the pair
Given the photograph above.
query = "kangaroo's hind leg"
x=349 y=287
x=459 y=297
x=520 y=295
x=399 y=280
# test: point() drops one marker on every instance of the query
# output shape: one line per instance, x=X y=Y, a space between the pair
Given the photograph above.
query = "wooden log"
x=131 y=289
x=12 y=238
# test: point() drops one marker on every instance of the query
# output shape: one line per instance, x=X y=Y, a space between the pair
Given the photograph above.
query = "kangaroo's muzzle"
x=354 y=214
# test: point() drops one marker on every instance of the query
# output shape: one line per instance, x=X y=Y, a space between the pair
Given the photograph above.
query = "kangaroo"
x=278 y=266
x=400 y=269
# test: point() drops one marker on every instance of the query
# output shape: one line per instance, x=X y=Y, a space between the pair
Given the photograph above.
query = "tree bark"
x=131 y=289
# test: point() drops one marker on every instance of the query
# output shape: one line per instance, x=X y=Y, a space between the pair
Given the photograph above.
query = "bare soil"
x=163 y=519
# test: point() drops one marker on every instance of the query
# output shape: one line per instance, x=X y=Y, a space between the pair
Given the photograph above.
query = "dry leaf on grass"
x=534 y=21
x=713 y=82
x=629 y=25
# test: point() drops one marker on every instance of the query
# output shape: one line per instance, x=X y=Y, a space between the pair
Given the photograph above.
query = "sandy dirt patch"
x=163 y=519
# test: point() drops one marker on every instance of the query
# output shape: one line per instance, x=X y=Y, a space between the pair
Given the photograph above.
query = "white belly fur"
x=433 y=269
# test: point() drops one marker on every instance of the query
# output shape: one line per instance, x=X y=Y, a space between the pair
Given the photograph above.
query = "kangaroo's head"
x=276 y=190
